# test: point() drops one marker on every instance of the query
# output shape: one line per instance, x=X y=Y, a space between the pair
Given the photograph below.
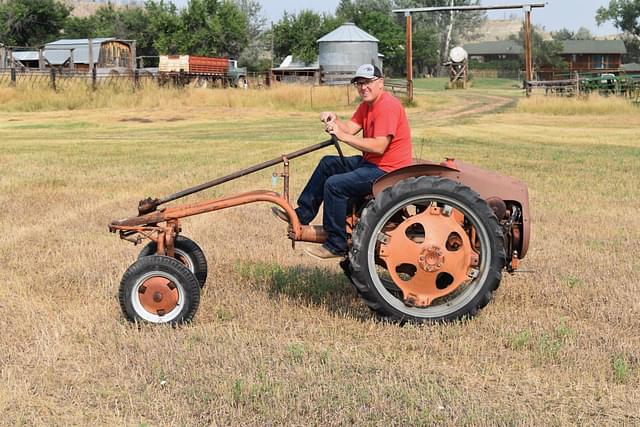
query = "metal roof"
x=503 y=47
x=630 y=68
x=59 y=52
x=577 y=47
x=569 y=47
x=79 y=42
x=53 y=57
x=26 y=55
x=348 y=32
x=291 y=64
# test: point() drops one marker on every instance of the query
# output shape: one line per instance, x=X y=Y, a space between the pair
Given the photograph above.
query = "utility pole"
x=409 y=43
x=528 y=55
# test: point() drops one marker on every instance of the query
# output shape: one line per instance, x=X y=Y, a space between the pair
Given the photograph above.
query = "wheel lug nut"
x=157 y=297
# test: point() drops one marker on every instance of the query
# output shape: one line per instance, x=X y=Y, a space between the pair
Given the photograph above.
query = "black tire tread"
x=375 y=208
x=190 y=247
x=166 y=264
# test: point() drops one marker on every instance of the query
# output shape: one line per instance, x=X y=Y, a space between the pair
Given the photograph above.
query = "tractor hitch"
x=147 y=205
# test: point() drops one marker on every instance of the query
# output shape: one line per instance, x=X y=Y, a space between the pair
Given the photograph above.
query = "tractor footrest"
x=313 y=234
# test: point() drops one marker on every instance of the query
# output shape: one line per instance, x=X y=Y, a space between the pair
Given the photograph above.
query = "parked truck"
x=201 y=71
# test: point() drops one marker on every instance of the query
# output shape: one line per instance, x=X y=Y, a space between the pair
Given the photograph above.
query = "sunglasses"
x=363 y=83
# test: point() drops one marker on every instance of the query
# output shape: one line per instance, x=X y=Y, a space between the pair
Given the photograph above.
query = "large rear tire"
x=427 y=249
x=187 y=252
x=159 y=289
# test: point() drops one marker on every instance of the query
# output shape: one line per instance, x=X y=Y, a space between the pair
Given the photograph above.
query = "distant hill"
x=501 y=29
x=82 y=8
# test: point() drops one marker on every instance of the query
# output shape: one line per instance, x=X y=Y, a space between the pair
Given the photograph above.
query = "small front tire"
x=159 y=289
x=187 y=252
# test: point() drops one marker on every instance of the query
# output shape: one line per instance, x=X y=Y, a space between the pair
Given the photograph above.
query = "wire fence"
x=133 y=80
x=606 y=84
x=60 y=80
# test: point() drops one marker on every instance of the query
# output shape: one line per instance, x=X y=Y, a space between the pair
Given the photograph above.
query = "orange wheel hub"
x=429 y=255
x=158 y=295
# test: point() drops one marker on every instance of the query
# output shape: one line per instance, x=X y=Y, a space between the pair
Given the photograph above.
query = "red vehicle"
x=430 y=244
x=203 y=70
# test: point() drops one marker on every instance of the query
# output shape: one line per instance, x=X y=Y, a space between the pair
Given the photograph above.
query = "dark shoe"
x=280 y=214
x=320 y=252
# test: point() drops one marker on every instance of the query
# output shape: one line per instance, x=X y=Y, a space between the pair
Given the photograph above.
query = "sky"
x=571 y=14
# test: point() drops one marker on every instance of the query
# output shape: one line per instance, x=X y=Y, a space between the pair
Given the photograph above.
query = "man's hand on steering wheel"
x=328 y=116
x=333 y=128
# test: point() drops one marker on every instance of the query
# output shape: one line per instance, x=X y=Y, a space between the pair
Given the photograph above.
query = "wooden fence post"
x=132 y=62
x=92 y=67
x=40 y=59
x=136 y=79
x=53 y=79
x=13 y=68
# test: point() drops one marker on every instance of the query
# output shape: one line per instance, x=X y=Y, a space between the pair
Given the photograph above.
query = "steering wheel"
x=336 y=144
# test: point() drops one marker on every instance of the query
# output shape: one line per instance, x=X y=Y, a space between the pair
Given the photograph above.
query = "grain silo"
x=343 y=50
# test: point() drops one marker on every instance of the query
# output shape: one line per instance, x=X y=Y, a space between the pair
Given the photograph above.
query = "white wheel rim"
x=459 y=301
x=142 y=312
x=185 y=259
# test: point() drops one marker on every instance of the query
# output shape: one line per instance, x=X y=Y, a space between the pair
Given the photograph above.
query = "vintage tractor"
x=429 y=244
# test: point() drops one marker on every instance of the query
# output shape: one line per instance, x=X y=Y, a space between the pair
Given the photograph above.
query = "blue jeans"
x=335 y=184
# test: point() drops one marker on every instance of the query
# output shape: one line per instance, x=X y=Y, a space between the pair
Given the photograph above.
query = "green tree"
x=563 y=34
x=425 y=50
x=625 y=15
x=234 y=33
x=583 y=33
x=253 y=12
x=211 y=28
x=124 y=23
x=164 y=23
x=253 y=56
x=375 y=17
x=451 y=28
x=31 y=22
x=297 y=35
x=199 y=28
x=546 y=53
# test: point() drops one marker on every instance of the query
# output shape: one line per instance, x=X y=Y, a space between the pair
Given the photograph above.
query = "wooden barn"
x=583 y=56
x=502 y=50
x=82 y=54
x=593 y=55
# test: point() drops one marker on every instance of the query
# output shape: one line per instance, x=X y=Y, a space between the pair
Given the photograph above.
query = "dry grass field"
x=280 y=338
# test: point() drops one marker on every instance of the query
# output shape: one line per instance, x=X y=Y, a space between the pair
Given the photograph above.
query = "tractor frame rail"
x=148 y=205
x=162 y=224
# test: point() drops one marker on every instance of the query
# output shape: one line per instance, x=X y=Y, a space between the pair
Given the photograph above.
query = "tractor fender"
x=488 y=184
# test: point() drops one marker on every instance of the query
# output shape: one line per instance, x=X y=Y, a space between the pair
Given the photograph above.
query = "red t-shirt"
x=386 y=117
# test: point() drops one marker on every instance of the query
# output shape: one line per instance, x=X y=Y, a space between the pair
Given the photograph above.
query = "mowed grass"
x=283 y=339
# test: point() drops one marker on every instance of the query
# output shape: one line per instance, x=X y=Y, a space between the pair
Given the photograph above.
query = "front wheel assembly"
x=426 y=249
x=159 y=289
x=187 y=252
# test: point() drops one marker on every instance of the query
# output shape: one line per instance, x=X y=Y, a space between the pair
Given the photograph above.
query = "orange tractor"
x=429 y=244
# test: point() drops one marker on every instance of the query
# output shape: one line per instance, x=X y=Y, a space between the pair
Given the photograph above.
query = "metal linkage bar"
x=148 y=205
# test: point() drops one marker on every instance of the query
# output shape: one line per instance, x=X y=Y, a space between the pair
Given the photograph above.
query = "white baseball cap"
x=367 y=71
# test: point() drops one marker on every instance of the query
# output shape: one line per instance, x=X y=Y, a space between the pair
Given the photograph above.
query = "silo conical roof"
x=348 y=32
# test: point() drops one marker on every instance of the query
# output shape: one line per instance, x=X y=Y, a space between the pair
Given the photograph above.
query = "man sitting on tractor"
x=385 y=144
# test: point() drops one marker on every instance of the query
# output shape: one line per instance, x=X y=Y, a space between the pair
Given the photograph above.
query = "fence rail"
x=603 y=84
x=63 y=79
